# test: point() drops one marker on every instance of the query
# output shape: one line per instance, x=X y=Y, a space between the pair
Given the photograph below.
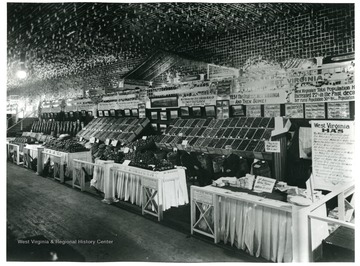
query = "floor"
x=40 y=210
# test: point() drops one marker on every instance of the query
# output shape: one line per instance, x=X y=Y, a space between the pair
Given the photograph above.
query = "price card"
x=272 y=146
x=92 y=140
x=97 y=141
x=107 y=141
x=144 y=137
x=126 y=162
x=114 y=142
x=184 y=142
x=264 y=184
x=126 y=150
x=81 y=138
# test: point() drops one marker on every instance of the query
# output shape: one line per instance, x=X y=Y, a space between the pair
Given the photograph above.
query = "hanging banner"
x=327 y=93
x=84 y=104
x=333 y=148
x=200 y=100
x=275 y=96
x=108 y=106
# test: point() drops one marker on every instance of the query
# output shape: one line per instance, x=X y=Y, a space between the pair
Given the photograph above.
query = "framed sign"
x=174 y=114
x=163 y=115
x=315 y=110
x=135 y=112
x=106 y=113
x=295 y=110
x=184 y=111
x=338 y=110
x=90 y=113
x=162 y=128
x=112 y=112
x=253 y=110
x=127 y=112
x=210 y=110
x=196 y=111
x=100 y=113
x=83 y=113
x=238 y=110
x=272 y=110
x=154 y=115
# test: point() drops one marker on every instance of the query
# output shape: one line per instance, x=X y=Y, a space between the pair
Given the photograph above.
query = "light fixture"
x=22 y=74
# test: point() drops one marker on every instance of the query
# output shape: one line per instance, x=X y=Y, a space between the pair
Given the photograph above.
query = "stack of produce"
x=106 y=152
x=65 y=145
x=56 y=127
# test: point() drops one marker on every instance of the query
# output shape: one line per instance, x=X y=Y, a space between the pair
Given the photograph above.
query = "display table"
x=66 y=158
x=272 y=229
x=154 y=191
x=15 y=150
x=30 y=153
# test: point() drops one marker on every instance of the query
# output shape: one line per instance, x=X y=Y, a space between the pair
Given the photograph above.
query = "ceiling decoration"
x=62 y=39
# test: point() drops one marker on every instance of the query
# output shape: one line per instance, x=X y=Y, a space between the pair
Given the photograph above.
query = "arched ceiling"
x=59 y=39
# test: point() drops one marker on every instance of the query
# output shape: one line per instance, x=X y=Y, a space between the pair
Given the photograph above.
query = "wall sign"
x=271 y=110
x=338 y=110
x=253 y=110
x=333 y=150
x=199 y=100
x=315 y=110
x=294 y=110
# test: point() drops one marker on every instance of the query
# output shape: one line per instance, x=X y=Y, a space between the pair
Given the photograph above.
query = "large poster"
x=333 y=145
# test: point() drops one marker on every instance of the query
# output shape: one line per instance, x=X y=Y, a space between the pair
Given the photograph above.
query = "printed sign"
x=253 y=110
x=333 y=148
x=264 y=184
x=272 y=146
x=200 y=100
x=338 y=110
x=294 y=110
x=272 y=110
x=271 y=96
x=315 y=110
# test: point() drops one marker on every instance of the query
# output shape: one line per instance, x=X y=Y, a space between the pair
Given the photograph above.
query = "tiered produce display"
x=24 y=140
x=65 y=145
x=56 y=127
x=122 y=129
x=244 y=136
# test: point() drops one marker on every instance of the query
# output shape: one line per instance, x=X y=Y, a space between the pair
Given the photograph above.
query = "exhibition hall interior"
x=180 y=132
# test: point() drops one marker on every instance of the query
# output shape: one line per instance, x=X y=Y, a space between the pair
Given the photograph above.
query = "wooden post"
x=40 y=163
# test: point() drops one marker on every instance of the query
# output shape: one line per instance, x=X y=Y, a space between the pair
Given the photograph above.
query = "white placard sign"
x=264 y=184
x=272 y=146
x=333 y=149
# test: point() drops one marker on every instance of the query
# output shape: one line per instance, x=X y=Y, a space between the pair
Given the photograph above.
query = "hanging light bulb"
x=21 y=74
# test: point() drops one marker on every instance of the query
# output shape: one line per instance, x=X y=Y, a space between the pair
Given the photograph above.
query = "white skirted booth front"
x=153 y=191
x=272 y=229
x=65 y=158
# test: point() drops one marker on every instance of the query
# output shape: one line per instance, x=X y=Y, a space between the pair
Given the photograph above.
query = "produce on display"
x=242 y=135
x=56 y=127
x=65 y=145
x=123 y=129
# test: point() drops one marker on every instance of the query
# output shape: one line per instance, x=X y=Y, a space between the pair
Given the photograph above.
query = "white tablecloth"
x=260 y=230
x=128 y=185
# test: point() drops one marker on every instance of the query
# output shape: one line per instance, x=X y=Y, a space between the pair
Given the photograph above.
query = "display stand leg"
x=40 y=163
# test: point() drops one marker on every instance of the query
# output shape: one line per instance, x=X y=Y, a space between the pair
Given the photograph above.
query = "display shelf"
x=121 y=129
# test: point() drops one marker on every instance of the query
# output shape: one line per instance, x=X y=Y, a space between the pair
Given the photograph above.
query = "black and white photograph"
x=179 y=131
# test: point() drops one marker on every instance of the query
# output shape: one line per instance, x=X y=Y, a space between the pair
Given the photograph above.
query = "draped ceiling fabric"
x=88 y=45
